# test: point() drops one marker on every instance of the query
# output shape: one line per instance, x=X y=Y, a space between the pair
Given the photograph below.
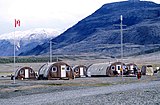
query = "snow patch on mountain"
x=25 y=40
x=38 y=33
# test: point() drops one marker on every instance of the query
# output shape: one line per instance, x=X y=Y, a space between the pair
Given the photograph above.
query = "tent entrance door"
x=26 y=73
x=63 y=71
x=118 y=68
x=131 y=67
x=81 y=71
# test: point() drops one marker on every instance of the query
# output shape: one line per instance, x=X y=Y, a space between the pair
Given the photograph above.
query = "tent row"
x=111 y=69
x=118 y=68
x=57 y=70
x=61 y=70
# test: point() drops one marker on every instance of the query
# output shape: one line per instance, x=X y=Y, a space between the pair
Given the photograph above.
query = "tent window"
x=21 y=72
x=76 y=70
x=54 y=69
x=68 y=68
x=112 y=68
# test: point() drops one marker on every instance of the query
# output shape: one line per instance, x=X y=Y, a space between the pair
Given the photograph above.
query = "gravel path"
x=145 y=93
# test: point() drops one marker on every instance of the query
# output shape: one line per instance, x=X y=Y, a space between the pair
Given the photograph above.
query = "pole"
x=121 y=25
x=50 y=55
x=14 y=79
x=50 y=51
x=57 y=58
x=121 y=32
x=17 y=23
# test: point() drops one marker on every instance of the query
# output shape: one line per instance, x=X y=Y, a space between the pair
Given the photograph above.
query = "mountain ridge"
x=97 y=33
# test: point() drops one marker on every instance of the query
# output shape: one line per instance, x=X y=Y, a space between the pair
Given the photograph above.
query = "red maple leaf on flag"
x=17 y=23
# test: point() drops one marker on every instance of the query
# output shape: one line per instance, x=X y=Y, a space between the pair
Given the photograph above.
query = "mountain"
x=99 y=33
x=25 y=40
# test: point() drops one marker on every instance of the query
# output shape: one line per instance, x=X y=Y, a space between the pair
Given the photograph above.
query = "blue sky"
x=56 y=14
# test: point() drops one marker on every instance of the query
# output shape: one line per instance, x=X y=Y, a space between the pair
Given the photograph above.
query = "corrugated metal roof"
x=98 y=69
x=44 y=69
x=16 y=73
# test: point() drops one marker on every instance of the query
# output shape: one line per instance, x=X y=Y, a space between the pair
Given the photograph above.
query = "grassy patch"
x=4 y=60
x=102 y=84
x=53 y=84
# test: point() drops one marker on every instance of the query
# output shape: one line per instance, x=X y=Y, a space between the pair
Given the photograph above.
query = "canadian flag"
x=17 y=23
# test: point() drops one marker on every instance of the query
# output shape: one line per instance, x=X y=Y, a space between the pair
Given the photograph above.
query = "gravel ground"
x=133 y=94
x=82 y=91
x=146 y=96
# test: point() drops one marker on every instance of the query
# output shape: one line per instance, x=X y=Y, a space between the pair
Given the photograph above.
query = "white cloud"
x=47 y=13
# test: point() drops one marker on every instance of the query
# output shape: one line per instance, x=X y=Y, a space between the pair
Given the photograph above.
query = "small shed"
x=57 y=70
x=80 y=71
x=117 y=66
x=131 y=69
x=98 y=70
x=25 y=73
x=147 y=70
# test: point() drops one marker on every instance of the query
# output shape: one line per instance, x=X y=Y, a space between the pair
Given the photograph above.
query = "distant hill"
x=97 y=33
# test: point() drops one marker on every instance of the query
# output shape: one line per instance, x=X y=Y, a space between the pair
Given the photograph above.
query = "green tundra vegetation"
x=26 y=59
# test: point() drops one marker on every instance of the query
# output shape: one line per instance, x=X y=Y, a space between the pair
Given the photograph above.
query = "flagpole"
x=17 y=22
x=14 y=79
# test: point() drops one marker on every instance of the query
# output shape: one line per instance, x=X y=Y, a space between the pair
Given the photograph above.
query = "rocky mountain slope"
x=25 y=40
x=98 y=33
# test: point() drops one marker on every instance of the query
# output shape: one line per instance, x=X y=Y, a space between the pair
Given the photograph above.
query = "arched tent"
x=131 y=69
x=25 y=73
x=147 y=70
x=80 y=71
x=98 y=70
x=42 y=70
x=117 y=66
x=57 y=70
